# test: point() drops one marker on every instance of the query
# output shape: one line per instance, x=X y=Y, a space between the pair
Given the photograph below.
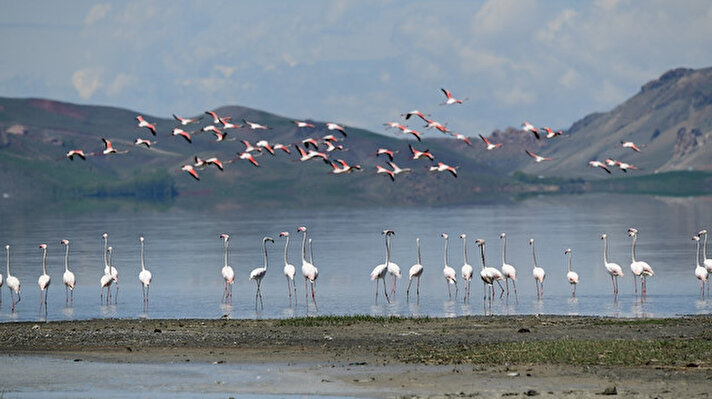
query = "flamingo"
x=639 y=268
x=334 y=126
x=631 y=145
x=394 y=125
x=528 y=127
x=109 y=149
x=259 y=273
x=572 y=276
x=311 y=141
x=214 y=161
x=143 y=123
x=330 y=137
x=448 y=272
x=44 y=279
x=216 y=118
x=419 y=154
x=431 y=124
x=393 y=269
x=538 y=273
x=599 y=164
x=68 y=277
x=13 y=283
x=488 y=274
x=610 y=162
x=249 y=157
x=416 y=113
x=220 y=136
x=144 y=276
x=330 y=147
x=613 y=269
x=213 y=129
x=415 y=133
x=302 y=124
x=110 y=269
x=550 y=134
x=442 y=167
x=450 y=99
x=508 y=271
x=105 y=280
x=309 y=271
x=289 y=269
x=700 y=272
x=381 y=170
x=79 y=153
x=339 y=170
x=226 y=124
x=379 y=272
x=537 y=158
x=186 y=121
x=279 y=146
x=306 y=156
x=397 y=170
x=255 y=126
x=180 y=132
x=489 y=146
x=625 y=166
x=108 y=276
x=462 y=137
x=386 y=152
x=191 y=170
x=467 y=269
x=227 y=273
x=415 y=271
x=147 y=143
x=264 y=144
x=706 y=261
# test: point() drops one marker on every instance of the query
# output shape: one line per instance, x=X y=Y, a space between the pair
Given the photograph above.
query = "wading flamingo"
x=379 y=272
x=144 y=276
x=105 y=280
x=227 y=273
x=508 y=271
x=467 y=269
x=111 y=270
x=638 y=267
x=44 y=279
x=13 y=283
x=448 y=272
x=613 y=269
x=538 y=273
x=706 y=262
x=289 y=270
x=488 y=274
x=415 y=271
x=700 y=272
x=310 y=272
x=68 y=277
x=259 y=273
x=572 y=276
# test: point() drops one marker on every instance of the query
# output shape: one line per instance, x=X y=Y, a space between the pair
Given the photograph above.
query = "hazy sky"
x=357 y=62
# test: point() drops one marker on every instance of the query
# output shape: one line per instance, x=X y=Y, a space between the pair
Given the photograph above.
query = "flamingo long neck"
x=106 y=246
x=143 y=259
x=7 y=250
x=632 y=253
x=704 y=248
x=697 y=257
x=44 y=260
x=311 y=252
x=66 y=259
x=417 y=244
x=445 y=251
x=264 y=248
x=482 y=255
x=534 y=256
x=388 y=251
x=504 y=250
x=464 y=249
x=304 y=247
x=605 y=250
x=286 y=245
x=571 y=255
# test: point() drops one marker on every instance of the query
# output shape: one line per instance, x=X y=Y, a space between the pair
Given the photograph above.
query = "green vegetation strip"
x=570 y=352
x=320 y=321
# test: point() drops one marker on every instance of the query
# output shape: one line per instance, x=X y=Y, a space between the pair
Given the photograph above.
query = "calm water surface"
x=185 y=254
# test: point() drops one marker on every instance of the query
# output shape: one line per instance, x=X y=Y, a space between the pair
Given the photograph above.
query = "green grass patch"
x=345 y=320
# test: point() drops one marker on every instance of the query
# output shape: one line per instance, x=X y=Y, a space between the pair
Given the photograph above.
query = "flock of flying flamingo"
x=309 y=148
x=488 y=274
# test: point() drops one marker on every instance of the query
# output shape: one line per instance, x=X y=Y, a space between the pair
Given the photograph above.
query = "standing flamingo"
x=538 y=273
x=68 y=277
x=379 y=272
x=448 y=272
x=700 y=272
x=707 y=263
x=508 y=271
x=289 y=269
x=466 y=269
x=105 y=280
x=111 y=270
x=572 y=276
x=488 y=274
x=259 y=273
x=393 y=270
x=227 y=273
x=144 y=276
x=309 y=271
x=613 y=269
x=415 y=271
x=44 y=279
x=13 y=283
x=638 y=267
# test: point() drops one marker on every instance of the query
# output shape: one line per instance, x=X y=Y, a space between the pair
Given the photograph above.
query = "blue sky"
x=357 y=62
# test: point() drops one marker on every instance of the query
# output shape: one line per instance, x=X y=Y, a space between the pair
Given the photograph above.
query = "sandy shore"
x=382 y=357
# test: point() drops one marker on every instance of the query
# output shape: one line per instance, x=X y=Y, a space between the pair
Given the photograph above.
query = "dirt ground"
x=384 y=357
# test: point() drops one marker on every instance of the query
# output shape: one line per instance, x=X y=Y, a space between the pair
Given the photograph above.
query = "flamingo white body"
x=528 y=127
x=312 y=154
x=143 y=123
x=706 y=262
x=309 y=271
x=144 y=276
x=264 y=144
x=638 y=267
x=13 y=283
x=180 y=132
x=289 y=269
x=380 y=271
x=228 y=274
x=466 y=270
x=147 y=143
x=448 y=272
x=442 y=167
x=106 y=280
x=216 y=118
x=398 y=170
x=386 y=152
x=700 y=272
x=415 y=271
x=337 y=127
x=255 y=126
x=571 y=276
x=68 y=277
x=613 y=269
x=537 y=158
x=631 y=145
x=488 y=274
x=508 y=271
x=420 y=154
x=394 y=271
x=186 y=121
x=625 y=166
x=450 y=100
x=302 y=124
x=488 y=145
x=417 y=113
x=110 y=269
x=259 y=273
x=599 y=164
x=538 y=273
x=191 y=171
x=247 y=156
x=44 y=280
x=381 y=170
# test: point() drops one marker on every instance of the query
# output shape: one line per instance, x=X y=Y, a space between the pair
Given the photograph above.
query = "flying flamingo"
x=334 y=126
x=417 y=113
x=186 y=121
x=264 y=144
x=442 y=167
x=302 y=124
x=448 y=272
x=625 y=166
x=306 y=156
x=613 y=269
x=528 y=127
x=431 y=124
x=386 y=152
x=259 y=273
x=309 y=271
x=311 y=141
x=109 y=149
x=13 y=283
x=216 y=118
x=537 y=158
x=180 y=132
x=489 y=146
x=415 y=271
x=143 y=123
x=538 y=273
x=330 y=147
x=467 y=269
x=639 y=268
x=572 y=276
x=381 y=170
x=44 y=279
x=508 y=271
x=415 y=133
x=599 y=164
x=144 y=276
x=227 y=273
x=631 y=145
x=396 y=169
x=394 y=125
x=279 y=146
x=379 y=272
x=459 y=136
x=214 y=161
x=336 y=170
x=249 y=157
x=419 y=154
x=249 y=147
x=550 y=134
x=255 y=126
x=68 y=276
x=289 y=269
x=79 y=153
x=213 y=129
x=706 y=261
x=226 y=124
x=147 y=143
x=700 y=272
x=191 y=170
x=450 y=99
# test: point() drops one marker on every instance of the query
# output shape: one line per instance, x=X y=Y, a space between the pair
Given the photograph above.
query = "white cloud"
x=497 y=16
x=609 y=94
x=121 y=81
x=570 y=79
x=86 y=81
x=564 y=19
x=97 y=13
x=514 y=96
x=225 y=70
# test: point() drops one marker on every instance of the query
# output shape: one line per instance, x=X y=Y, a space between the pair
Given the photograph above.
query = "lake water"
x=185 y=254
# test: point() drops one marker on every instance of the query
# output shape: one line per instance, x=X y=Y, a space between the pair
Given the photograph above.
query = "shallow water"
x=185 y=254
